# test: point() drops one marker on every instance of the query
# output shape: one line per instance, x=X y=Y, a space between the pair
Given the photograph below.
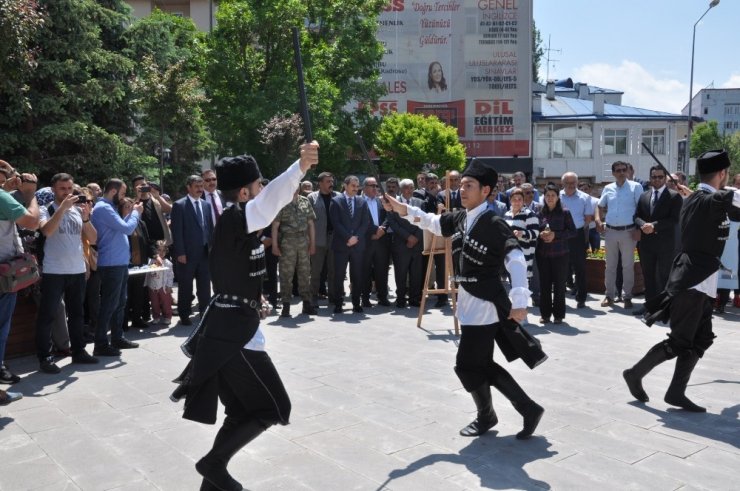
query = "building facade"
x=201 y=11
x=721 y=105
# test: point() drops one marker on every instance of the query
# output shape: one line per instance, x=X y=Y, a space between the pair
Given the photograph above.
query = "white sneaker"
x=10 y=397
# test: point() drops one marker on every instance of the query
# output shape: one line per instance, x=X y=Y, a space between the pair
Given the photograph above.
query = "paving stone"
x=627 y=476
x=596 y=443
x=650 y=439
x=41 y=418
x=31 y=474
x=693 y=471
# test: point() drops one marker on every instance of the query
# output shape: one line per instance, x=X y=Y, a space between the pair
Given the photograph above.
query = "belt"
x=236 y=300
x=626 y=227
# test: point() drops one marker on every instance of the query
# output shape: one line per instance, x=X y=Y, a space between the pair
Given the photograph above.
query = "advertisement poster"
x=468 y=62
x=728 y=272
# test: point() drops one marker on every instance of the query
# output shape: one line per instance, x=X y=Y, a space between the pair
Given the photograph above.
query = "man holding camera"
x=63 y=223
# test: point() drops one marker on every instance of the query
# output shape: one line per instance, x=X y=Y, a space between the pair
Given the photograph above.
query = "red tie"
x=215 y=208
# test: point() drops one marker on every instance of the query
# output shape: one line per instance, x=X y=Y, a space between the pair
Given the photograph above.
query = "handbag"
x=19 y=272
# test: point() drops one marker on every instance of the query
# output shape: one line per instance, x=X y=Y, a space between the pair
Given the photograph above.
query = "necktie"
x=351 y=203
x=216 y=213
x=202 y=224
x=655 y=201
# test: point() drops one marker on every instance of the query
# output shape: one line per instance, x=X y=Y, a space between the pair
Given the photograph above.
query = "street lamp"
x=712 y=4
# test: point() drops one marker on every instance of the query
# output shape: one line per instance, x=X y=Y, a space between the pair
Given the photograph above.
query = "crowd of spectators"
x=109 y=258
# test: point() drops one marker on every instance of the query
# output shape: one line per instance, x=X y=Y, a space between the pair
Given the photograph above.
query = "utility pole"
x=547 y=56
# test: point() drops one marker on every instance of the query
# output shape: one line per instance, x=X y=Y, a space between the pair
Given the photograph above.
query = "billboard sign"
x=468 y=62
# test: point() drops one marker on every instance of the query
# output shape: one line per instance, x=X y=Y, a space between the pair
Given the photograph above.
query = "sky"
x=642 y=47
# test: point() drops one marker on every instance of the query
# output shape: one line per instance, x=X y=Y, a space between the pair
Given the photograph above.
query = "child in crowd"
x=159 y=284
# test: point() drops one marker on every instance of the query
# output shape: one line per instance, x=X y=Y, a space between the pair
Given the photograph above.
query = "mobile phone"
x=145 y=189
x=81 y=199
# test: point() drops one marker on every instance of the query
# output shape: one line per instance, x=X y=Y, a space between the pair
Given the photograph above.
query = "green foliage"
x=250 y=75
x=406 y=142
x=705 y=137
x=169 y=98
x=537 y=52
x=76 y=115
x=20 y=21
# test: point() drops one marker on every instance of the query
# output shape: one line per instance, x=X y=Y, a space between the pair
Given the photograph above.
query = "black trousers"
x=407 y=267
x=656 y=267
x=137 y=301
x=271 y=278
x=691 y=323
x=353 y=257
x=195 y=268
x=577 y=258
x=553 y=271
x=250 y=388
x=54 y=288
x=439 y=272
x=376 y=261
x=474 y=363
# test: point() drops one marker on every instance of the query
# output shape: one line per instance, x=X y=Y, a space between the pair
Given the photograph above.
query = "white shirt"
x=709 y=285
x=212 y=198
x=260 y=213
x=471 y=310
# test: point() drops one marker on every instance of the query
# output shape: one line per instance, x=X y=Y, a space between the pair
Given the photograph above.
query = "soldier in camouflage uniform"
x=293 y=241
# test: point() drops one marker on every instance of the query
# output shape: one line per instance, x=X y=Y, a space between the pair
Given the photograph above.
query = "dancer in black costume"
x=687 y=299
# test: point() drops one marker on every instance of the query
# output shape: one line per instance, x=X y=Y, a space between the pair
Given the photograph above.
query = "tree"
x=250 y=75
x=705 y=137
x=76 y=114
x=280 y=135
x=407 y=141
x=537 y=52
x=20 y=21
x=169 y=96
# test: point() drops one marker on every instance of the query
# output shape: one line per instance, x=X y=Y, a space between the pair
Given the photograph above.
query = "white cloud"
x=733 y=82
x=641 y=88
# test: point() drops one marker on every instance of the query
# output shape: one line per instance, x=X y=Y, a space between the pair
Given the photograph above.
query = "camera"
x=81 y=199
x=145 y=189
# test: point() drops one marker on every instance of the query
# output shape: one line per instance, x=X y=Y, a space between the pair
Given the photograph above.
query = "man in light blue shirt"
x=615 y=218
x=113 y=259
x=582 y=210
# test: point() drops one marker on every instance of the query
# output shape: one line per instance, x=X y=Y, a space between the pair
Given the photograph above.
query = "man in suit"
x=323 y=258
x=657 y=217
x=453 y=191
x=212 y=195
x=421 y=185
x=431 y=205
x=406 y=249
x=192 y=227
x=350 y=219
x=377 y=254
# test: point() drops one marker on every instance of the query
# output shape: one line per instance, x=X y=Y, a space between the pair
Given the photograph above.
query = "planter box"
x=596 y=270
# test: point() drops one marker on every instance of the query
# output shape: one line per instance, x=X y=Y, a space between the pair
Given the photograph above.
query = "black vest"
x=237 y=258
x=478 y=257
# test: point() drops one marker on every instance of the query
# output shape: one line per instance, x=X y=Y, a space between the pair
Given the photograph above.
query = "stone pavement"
x=376 y=405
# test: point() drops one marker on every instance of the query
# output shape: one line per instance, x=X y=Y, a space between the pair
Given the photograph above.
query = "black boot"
x=486 y=416
x=633 y=376
x=231 y=438
x=309 y=308
x=286 y=310
x=531 y=411
x=676 y=394
x=206 y=485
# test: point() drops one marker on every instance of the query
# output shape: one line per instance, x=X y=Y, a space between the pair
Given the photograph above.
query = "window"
x=655 y=140
x=728 y=125
x=706 y=110
x=563 y=141
x=615 y=142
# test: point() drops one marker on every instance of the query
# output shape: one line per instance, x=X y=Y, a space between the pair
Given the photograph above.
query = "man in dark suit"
x=421 y=183
x=322 y=261
x=406 y=249
x=453 y=191
x=212 y=195
x=350 y=218
x=192 y=227
x=431 y=205
x=657 y=215
x=377 y=254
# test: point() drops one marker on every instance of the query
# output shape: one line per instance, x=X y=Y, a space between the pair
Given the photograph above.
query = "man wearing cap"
x=481 y=244
x=686 y=301
x=229 y=360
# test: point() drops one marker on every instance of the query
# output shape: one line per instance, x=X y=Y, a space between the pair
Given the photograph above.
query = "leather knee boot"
x=232 y=437
x=676 y=394
x=633 y=376
x=486 y=416
x=531 y=411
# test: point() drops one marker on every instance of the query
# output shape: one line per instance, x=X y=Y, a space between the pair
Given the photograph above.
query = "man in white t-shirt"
x=63 y=223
